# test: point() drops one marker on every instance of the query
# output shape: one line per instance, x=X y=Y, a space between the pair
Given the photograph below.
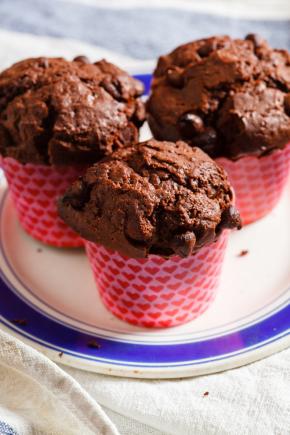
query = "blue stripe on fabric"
x=140 y=33
x=5 y=429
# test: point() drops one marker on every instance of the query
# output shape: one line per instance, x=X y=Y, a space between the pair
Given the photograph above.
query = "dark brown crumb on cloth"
x=243 y=253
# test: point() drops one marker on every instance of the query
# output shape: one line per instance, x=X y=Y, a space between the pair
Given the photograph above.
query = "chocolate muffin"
x=229 y=97
x=57 y=112
x=152 y=198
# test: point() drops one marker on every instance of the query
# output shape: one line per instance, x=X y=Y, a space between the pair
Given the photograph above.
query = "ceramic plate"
x=48 y=299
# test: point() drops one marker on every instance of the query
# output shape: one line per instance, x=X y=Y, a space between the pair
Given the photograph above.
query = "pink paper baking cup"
x=155 y=292
x=34 y=190
x=258 y=182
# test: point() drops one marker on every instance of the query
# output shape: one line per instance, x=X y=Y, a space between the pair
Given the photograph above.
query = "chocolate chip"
x=207 y=141
x=190 y=125
x=256 y=39
x=287 y=104
x=81 y=59
x=231 y=218
x=112 y=87
x=206 y=237
x=206 y=48
x=174 y=77
x=77 y=195
x=183 y=244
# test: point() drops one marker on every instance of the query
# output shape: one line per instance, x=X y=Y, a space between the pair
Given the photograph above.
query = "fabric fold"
x=44 y=398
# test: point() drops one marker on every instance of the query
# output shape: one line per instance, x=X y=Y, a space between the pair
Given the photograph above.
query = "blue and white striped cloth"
x=252 y=400
x=144 y=30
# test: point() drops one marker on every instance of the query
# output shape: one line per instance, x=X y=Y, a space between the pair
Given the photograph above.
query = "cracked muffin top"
x=155 y=197
x=229 y=97
x=57 y=112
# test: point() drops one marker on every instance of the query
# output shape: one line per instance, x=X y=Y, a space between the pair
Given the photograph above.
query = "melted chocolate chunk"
x=231 y=218
x=207 y=141
x=174 y=77
x=256 y=39
x=77 y=195
x=112 y=87
x=82 y=59
x=208 y=47
x=190 y=125
x=183 y=244
x=287 y=104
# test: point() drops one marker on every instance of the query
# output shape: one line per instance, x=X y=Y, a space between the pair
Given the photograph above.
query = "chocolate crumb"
x=20 y=322
x=206 y=393
x=93 y=344
x=60 y=354
x=243 y=253
x=39 y=250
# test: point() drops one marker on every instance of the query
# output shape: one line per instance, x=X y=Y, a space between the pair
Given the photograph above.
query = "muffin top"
x=228 y=96
x=57 y=112
x=155 y=197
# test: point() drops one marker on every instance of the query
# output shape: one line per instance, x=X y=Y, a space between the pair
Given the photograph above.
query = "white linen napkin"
x=251 y=400
x=37 y=397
